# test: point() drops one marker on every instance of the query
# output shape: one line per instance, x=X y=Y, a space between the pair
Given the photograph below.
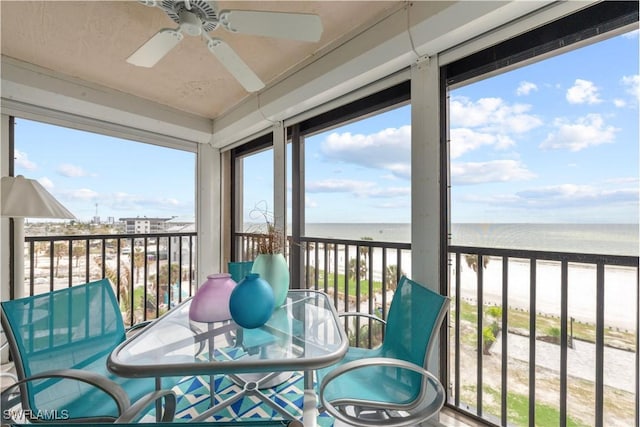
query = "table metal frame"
x=296 y=341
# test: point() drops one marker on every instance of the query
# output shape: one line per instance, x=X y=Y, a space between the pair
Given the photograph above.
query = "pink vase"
x=211 y=301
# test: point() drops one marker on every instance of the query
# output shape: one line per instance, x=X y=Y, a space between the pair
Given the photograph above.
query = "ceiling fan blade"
x=236 y=66
x=296 y=26
x=155 y=48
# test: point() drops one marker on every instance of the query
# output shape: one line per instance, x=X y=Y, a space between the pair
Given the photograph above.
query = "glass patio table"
x=302 y=335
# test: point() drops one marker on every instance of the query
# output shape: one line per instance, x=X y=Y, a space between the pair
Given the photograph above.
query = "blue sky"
x=124 y=178
x=555 y=141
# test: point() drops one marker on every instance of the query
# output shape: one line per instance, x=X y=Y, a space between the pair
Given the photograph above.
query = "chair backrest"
x=239 y=269
x=76 y=327
x=415 y=315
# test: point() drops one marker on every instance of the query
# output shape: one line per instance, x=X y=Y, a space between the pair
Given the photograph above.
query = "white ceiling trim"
x=28 y=84
x=387 y=47
x=83 y=123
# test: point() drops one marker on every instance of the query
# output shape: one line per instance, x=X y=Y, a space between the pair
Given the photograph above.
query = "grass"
x=352 y=286
x=519 y=320
x=518 y=410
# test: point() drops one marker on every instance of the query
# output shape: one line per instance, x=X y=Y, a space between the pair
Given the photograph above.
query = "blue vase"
x=274 y=269
x=251 y=302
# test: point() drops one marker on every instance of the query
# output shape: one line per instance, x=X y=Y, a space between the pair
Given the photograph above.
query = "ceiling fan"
x=199 y=17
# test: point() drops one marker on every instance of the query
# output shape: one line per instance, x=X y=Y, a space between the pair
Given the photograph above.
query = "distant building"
x=181 y=224
x=180 y=245
x=144 y=225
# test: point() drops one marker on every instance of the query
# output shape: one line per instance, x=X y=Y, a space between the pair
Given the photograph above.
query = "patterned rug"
x=194 y=397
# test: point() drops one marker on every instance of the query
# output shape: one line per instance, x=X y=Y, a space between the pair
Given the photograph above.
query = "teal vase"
x=251 y=302
x=274 y=269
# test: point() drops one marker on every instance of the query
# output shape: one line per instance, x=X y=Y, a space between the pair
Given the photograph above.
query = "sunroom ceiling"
x=91 y=40
x=69 y=57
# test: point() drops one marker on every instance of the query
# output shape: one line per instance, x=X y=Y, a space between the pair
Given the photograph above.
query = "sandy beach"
x=620 y=299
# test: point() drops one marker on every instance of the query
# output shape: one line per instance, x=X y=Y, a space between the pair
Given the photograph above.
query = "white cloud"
x=492 y=171
x=46 y=183
x=525 y=88
x=309 y=202
x=563 y=196
x=340 y=186
x=619 y=102
x=583 y=92
x=633 y=85
x=587 y=131
x=390 y=192
x=571 y=194
x=22 y=161
x=492 y=115
x=356 y=188
x=388 y=149
x=628 y=180
x=71 y=171
x=121 y=201
x=81 y=194
x=464 y=140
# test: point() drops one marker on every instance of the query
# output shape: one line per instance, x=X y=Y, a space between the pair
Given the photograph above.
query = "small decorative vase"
x=251 y=302
x=211 y=301
x=274 y=269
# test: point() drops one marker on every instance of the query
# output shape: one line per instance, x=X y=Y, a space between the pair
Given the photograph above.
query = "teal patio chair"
x=59 y=342
x=239 y=269
x=390 y=385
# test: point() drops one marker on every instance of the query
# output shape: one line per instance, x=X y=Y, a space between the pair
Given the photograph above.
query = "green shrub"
x=488 y=334
x=553 y=332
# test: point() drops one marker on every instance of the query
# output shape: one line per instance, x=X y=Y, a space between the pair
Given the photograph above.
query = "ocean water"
x=609 y=239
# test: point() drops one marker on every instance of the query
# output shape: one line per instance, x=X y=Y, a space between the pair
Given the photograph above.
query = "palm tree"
x=364 y=250
x=472 y=261
x=164 y=274
x=352 y=269
x=311 y=277
x=138 y=262
x=391 y=277
x=40 y=247
x=78 y=251
x=125 y=285
x=60 y=249
x=164 y=280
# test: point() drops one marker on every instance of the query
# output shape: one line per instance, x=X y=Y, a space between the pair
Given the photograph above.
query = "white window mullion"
x=280 y=177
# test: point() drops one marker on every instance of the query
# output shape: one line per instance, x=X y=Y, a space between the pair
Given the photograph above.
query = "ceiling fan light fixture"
x=190 y=24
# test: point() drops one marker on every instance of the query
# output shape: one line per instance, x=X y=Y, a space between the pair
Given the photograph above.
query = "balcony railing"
x=573 y=362
x=151 y=272
x=544 y=338
x=535 y=337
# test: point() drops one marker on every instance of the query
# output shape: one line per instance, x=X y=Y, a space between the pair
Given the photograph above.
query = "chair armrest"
x=133 y=329
x=367 y=315
x=414 y=418
x=134 y=411
x=117 y=393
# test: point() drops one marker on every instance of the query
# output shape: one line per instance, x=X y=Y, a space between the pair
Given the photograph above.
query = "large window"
x=101 y=179
x=134 y=205
x=357 y=179
x=544 y=167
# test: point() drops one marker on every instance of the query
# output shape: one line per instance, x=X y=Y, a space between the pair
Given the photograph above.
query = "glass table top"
x=303 y=334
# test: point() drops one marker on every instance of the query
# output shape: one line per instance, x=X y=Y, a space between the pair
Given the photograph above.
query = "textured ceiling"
x=91 y=40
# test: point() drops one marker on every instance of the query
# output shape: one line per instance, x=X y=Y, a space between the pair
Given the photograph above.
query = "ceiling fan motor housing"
x=193 y=16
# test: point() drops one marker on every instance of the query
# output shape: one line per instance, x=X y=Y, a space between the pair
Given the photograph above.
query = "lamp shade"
x=26 y=198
